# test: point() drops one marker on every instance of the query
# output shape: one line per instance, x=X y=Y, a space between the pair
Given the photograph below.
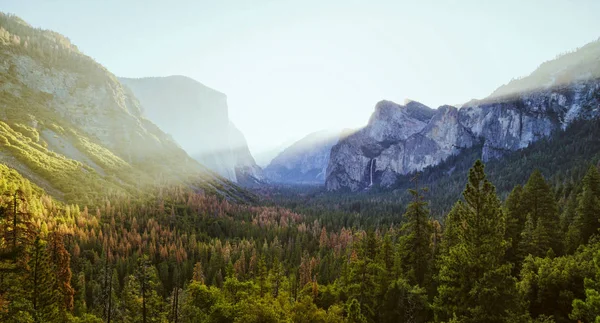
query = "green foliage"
x=537 y=202
x=588 y=310
x=415 y=250
x=177 y=253
x=515 y=222
x=404 y=303
x=550 y=284
x=40 y=284
x=475 y=282
x=587 y=220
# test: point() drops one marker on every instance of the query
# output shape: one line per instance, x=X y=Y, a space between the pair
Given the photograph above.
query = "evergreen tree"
x=198 y=274
x=41 y=284
x=364 y=270
x=528 y=243
x=19 y=230
x=475 y=282
x=131 y=299
x=515 y=222
x=262 y=276
x=588 y=210
x=62 y=268
x=415 y=244
x=588 y=310
x=569 y=226
x=387 y=272
x=354 y=312
x=80 y=306
x=152 y=305
x=538 y=201
x=404 y=303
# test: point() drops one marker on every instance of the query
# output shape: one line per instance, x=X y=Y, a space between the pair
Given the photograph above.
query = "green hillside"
x=67 y=124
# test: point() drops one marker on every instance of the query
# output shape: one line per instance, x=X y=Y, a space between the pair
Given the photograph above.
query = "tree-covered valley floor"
x=528 y=256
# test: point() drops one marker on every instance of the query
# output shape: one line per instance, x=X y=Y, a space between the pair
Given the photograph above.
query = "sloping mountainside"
x=196 y=116
x=67 y=124
x=305 y=161
x=400 y=139
x=563 y=158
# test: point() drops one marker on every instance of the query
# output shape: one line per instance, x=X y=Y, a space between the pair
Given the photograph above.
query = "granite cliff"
x=400 y=139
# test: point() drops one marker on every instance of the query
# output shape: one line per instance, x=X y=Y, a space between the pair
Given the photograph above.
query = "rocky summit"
x=400 y=139
x=305 y=161
x=68 y=124
x=196 y=116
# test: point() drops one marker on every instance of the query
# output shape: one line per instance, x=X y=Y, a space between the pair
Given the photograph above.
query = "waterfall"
x=372 y=161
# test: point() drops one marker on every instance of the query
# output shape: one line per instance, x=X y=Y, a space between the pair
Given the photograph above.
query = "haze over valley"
x=277 y=161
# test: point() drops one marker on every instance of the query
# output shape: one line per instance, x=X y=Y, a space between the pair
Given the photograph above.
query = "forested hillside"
x=103 y=218
x=563 y=158
x=189 y=257
x=67 y=124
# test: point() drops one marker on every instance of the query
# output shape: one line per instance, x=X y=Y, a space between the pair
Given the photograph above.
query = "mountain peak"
x=386 y=110
x=197 y=117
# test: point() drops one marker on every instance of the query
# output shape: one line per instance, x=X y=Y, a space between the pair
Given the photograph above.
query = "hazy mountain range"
x=80 y=112
x=70 y=126
x=400 y=139
x=196 y=116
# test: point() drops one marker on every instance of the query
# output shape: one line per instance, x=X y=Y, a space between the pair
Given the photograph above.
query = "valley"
x=139 y=200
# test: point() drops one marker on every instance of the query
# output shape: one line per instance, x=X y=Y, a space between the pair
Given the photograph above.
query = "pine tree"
x=355 y=315
x=151 y=303
x=277 y=277
x=80 y=306
x=19 y=231
x=363 y=273
x=569 y=226
x=131 y=298
x=41 y=284
x=175 y=297
x=262 y=276
x=415 y=244
x=528 y=243
x=110 y=284
x=386 y=259
x=515 y=222
x=588 y=310
x=588 y=210
x=538 y=201
x=475 y=282
x=404 y=303
x=198 y=275
x=62 y=268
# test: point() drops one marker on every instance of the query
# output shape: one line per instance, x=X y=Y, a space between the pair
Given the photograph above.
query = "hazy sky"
x=293 y=67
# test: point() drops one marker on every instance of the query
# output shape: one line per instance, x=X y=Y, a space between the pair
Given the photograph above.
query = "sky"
x=290 y=68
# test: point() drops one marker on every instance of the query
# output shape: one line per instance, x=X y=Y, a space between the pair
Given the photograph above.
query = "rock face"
x=305 y=161
x=246 y=171
x=400 y=139
x=196 y=116
x=68 y=124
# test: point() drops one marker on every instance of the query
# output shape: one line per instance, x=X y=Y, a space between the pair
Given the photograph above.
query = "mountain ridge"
x=67 y=123
x=395 y=142
x=197 y=118
x=304 y=161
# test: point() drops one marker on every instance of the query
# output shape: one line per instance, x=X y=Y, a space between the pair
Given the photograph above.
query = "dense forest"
x=183 y=256
x=458 y=242
x=563 y=159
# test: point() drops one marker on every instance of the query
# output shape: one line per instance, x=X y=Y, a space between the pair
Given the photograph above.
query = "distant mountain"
x=400 y=139
x=68 y=125
x=263 y=158
x=196 y=116
x=305 y=161
x=579 y=65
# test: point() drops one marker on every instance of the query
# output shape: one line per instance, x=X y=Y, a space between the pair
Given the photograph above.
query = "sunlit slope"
x=578 y=65
x=67 y=124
